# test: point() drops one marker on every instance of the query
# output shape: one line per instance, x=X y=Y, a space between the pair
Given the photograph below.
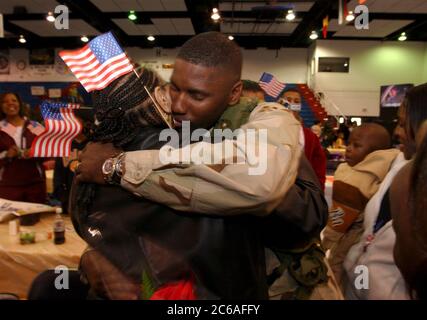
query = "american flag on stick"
x=271 y=85
x=61 y=127
x=98 y=63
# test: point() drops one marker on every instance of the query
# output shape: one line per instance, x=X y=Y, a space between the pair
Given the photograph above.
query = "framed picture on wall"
x=42 y=57
x=4 y=62
x=393 y=95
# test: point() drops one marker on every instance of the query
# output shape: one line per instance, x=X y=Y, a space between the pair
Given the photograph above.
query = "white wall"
x=288 y=65
x=21 y=71
x=372 y=64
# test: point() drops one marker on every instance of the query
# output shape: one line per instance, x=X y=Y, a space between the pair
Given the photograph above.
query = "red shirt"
x=315 y=155
x=19 y=172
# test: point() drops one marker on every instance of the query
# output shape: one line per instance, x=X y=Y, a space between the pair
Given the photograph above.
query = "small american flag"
x=98 y=63
x=271 y=85
x=61 y=127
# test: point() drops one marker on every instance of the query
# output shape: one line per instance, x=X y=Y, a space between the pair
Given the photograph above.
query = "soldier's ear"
x=236 y=92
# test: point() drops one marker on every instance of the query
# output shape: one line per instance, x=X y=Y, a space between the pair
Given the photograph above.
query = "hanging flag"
x=325 y=27
x=271 y=85
x=61 y=127
x=98 y=63
x=342 y=11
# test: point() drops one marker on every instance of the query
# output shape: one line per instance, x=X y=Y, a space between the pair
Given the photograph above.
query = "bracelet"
x=118 y=169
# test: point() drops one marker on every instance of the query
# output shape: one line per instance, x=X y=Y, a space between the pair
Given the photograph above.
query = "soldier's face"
x=200 y=94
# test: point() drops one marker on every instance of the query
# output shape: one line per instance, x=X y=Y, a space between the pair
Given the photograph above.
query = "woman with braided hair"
x=106 y=217
x=122 y=110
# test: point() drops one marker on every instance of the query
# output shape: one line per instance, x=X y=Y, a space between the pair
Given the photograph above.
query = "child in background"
x=339 y=142
x=368 y=160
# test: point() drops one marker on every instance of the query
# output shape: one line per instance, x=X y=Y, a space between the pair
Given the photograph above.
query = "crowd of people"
x=186 y=230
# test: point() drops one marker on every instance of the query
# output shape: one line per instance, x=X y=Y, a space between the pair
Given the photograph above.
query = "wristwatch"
x=113 y=168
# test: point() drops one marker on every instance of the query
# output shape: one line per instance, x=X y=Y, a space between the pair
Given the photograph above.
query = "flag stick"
x=160 y=111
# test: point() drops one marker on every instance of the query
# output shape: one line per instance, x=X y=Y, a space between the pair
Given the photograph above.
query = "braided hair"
x=124 y=107
x=121 y=110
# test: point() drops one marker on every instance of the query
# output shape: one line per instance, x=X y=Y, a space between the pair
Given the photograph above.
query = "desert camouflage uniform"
x=198 y=187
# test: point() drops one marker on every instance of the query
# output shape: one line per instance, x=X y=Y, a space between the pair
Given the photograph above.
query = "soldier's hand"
x=12 y=152
x=91 y=160
x=106 y=280
x=26 y=154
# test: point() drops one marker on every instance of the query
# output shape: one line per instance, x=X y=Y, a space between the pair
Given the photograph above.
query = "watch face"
x=108 y=166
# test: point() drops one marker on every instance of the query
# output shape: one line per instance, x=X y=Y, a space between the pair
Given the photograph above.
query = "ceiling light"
x=84 y=39
x=215 y=14
x=151 y=38
x=50 y=17
x=132 y=16
x=291 y=15
x=313 y=35
x=350 y=16
x=402 y=37
x=230 y=37
x=22 y=39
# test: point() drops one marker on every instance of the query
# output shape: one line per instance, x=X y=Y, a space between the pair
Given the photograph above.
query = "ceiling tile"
x=150 y=5
x=247 y=6
x=133 y=29
x=106 y=5
x=377 y=29
x=165 y=26
x=183 y=26
x=45 y=29
x=174 y=5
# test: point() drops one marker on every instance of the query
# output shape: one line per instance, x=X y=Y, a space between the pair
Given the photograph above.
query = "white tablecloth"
x=20 y=264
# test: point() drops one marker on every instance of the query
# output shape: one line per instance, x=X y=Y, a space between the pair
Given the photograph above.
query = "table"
x=20 y=264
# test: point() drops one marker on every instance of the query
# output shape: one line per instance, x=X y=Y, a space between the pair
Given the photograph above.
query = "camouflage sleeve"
x=252 y=178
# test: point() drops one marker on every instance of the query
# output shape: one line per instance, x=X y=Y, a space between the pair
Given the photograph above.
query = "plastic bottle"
x=58 y=228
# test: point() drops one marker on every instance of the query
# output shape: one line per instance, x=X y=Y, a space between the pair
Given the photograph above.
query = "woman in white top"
x=370 y=267
x=21 y=178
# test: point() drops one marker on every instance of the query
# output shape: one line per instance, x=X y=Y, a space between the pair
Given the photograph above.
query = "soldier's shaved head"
x=213 y=49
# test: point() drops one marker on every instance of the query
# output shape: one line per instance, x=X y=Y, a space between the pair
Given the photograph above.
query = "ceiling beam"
x=35 y=16
x=416 y=30
x=17 y=30
x=389 y=16
x=200 y=15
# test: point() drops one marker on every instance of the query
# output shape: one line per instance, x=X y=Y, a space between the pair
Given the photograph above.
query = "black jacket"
x=226 y=255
